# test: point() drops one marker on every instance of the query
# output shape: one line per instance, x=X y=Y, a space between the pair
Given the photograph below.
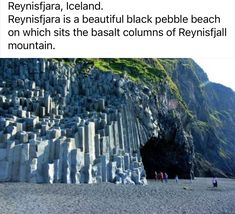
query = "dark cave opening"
x=159 y=155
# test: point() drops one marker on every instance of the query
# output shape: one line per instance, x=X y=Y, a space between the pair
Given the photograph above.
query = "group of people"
x=161 y=176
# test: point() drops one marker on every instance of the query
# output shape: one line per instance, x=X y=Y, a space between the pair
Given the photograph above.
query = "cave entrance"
x=162 y=156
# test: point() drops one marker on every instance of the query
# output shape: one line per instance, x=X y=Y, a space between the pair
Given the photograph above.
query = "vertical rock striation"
x=59 y=124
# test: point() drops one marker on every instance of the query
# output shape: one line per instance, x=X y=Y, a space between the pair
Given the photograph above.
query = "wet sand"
x=183 y=197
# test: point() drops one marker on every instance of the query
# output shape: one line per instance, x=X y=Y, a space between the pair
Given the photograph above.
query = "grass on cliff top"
x=169 y=64
x=147 y=71
x=137 y=70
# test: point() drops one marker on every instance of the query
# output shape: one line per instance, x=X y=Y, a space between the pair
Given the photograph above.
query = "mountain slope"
x=213 y=107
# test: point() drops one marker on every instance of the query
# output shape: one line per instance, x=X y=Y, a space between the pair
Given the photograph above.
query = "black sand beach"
x=184 y=197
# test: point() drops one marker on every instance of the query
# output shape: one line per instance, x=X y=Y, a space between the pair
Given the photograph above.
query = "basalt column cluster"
x=58 y=124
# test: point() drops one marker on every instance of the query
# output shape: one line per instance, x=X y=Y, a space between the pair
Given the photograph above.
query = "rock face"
x=213 y=125
x=59 y=125
x=119 y=121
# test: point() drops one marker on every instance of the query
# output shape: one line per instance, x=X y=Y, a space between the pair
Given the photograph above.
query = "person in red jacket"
x=161 y=176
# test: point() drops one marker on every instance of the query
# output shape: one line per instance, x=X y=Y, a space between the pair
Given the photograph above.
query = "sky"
x=219 y=70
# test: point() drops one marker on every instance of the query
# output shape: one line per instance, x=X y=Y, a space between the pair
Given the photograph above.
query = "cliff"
x=213 y=108
x=116 y=120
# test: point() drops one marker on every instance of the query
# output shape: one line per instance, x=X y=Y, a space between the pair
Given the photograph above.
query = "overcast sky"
x=219 y=70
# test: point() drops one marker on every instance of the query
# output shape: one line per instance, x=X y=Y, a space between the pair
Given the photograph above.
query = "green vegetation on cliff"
x=151 y=72
x=136 y=70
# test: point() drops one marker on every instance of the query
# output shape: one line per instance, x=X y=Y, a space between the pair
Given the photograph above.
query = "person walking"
x=161 y=177
x=176 y=179
x=165 y=177
x=214 y=182
x=155 y=173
